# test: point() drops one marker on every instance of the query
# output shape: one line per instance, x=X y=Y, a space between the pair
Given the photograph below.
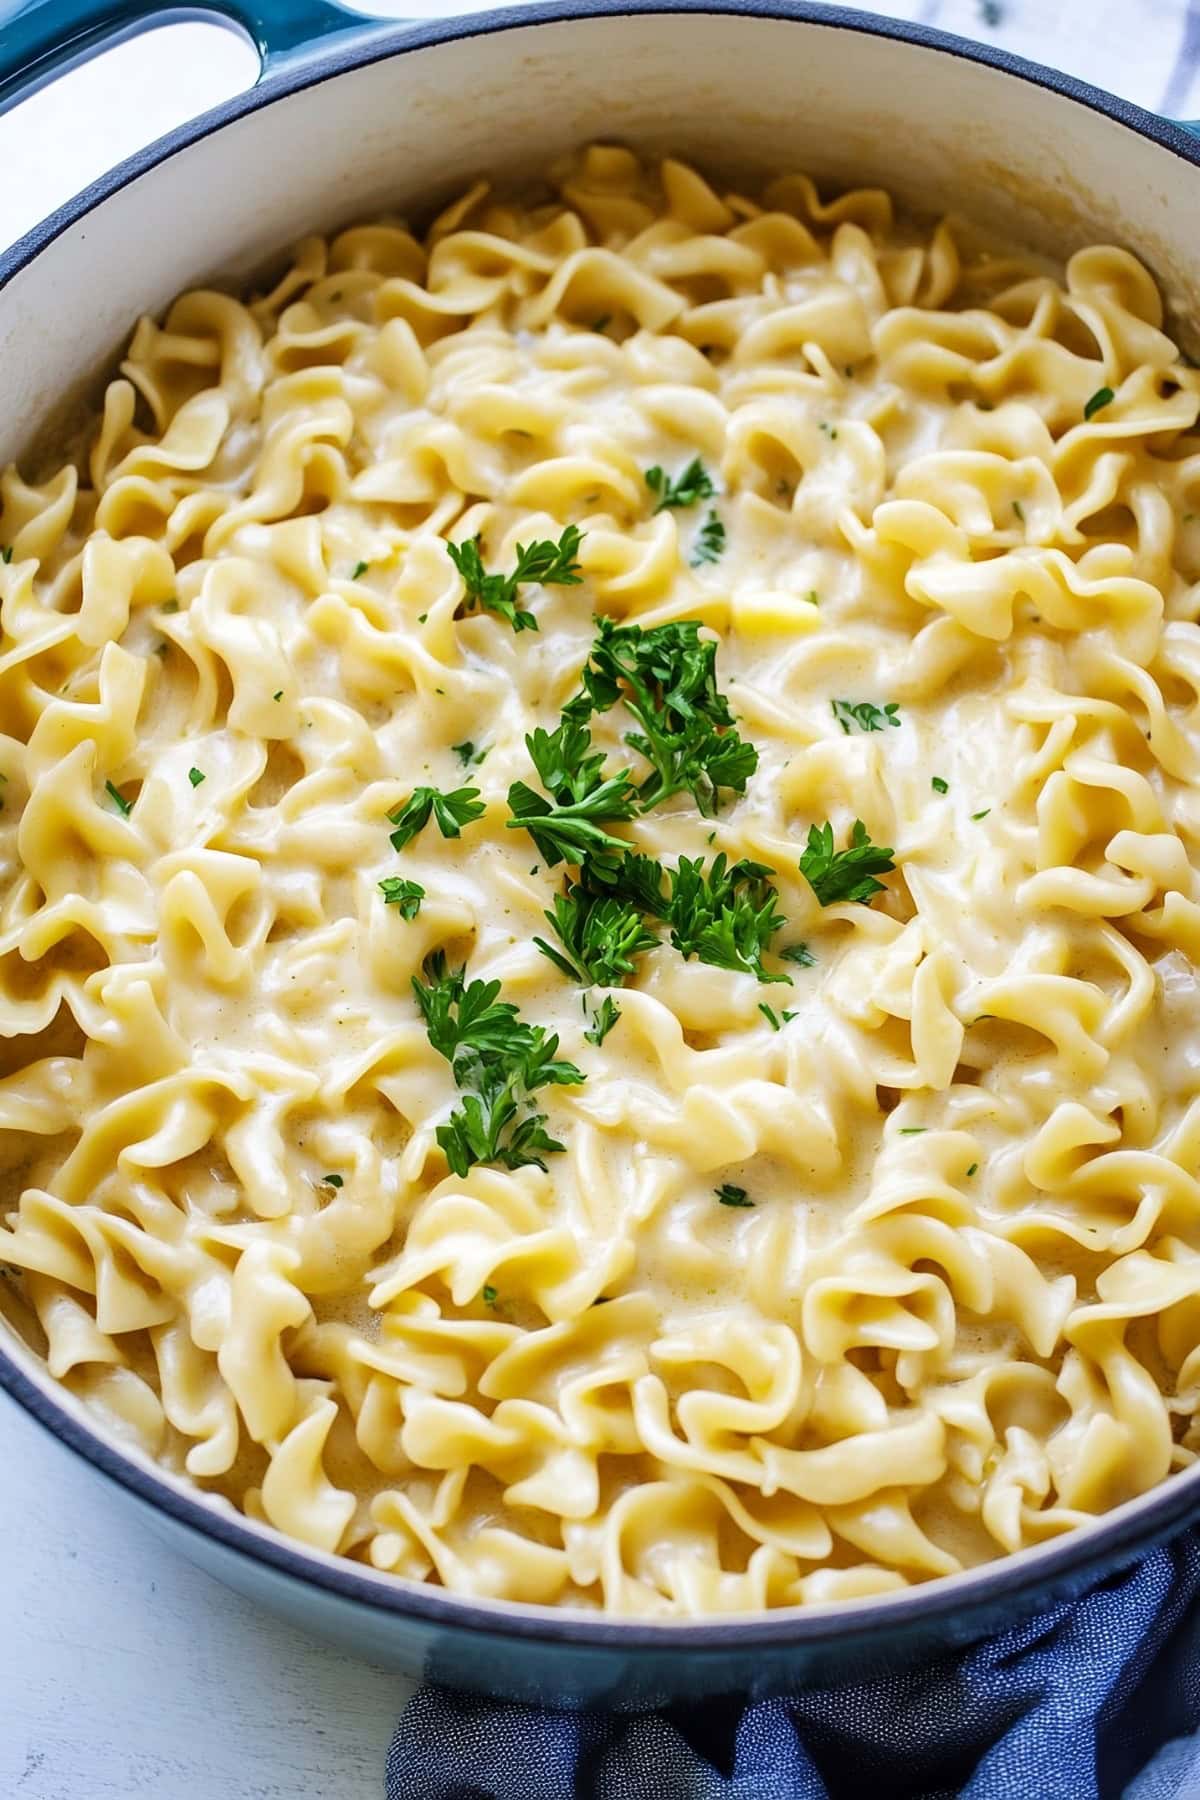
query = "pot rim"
x=1115 y=1537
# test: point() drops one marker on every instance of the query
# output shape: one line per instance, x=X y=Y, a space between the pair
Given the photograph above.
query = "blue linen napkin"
x=1090 y=1701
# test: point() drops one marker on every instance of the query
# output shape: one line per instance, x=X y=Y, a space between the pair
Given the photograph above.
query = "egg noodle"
x=599 y=896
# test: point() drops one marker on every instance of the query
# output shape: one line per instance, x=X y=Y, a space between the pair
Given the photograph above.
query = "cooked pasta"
x=599 y=855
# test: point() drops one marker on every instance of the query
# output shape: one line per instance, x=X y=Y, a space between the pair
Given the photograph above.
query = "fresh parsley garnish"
x=912 y=1130
x=974 y=1166
x=123 y=806
x=407 y=895
x=468 y=754
x=848 y=874
x=278 y=694
x=800 y=954
x=333 y=1181
x=726 y=917
x=493 y=1052
x=360 y=568
x=1102 y=397
x=196 y=776
x=939 y=786
x=488 y=1294
x=452 y=811
x=693 y=485
x=603 y=1020
x=776 y=1020
x=569 y=825
x=729 y=1195
x=865 y=714
x=667 y=677
x=551 y=564
x=982 y=815
x=709 y=546
x=600 y=936
x=6 y=554
x=1019 y=510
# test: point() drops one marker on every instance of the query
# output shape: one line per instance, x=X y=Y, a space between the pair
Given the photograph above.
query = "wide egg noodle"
x=960 y=1315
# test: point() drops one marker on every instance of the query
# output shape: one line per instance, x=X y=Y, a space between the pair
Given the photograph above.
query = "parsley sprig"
x=603 y=1020
x=726 y=917
x=848 y=874
x=552 y=564
x=452 y=811
x=569 y=825
x=600 y=935
x=503 y=1059
x=667 y=677
x=694 y=484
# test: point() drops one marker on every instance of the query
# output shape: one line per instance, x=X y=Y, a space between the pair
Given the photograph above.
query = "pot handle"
x=42 y=39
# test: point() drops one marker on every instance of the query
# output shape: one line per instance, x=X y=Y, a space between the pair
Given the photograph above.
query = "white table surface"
x=125 y=1674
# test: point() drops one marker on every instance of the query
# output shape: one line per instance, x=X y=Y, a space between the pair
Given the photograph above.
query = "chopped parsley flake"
x=1101 y=398
x=912 y=1130
x=983 y=814
x=468 y=754
x=1019 y=510
x=939 y=786
x=972 y=1169
x=694 y=484
x=489 y=1294
x=800 y=954
x=865 y=714
x=710 y=544
x=400 y=892
x=195 y=776
x=360 y=568
x=278 y=694
x=603 y=1020
x=729 y=1195
x=170 y=606
x=123 y=806
x=776 y=1020
x=6 y=554
x=333 y=1181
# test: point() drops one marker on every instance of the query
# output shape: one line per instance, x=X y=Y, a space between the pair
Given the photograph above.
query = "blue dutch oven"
x=351 y=117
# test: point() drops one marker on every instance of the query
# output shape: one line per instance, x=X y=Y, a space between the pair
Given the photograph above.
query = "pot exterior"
x=401 y=124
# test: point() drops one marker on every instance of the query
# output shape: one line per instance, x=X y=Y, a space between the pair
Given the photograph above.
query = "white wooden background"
x=125 y=1674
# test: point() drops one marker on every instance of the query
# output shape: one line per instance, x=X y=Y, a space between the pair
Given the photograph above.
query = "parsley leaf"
x=569 y=826
x=865 y=714
x=729 y=1195
x=848 y=874
x=196 y=776
x=667 y=677
x=1102 y=397
x=407 y=895
x=603 y=1020
x=727 y=917
x=492 y=1050
x=452 y=811
x=123 y=806
x=333 y=1181
x=360 y=568
x=800 y=954
x=710 y=543
x=488 y=1294
x=551 y=564
x=939 y=786
x=600 y=935
x=694 y=484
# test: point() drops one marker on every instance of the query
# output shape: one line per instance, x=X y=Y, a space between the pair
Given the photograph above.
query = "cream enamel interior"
x=960 y=1315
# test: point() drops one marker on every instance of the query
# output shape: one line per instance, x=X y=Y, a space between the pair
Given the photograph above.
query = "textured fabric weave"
x=1090 y=1701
